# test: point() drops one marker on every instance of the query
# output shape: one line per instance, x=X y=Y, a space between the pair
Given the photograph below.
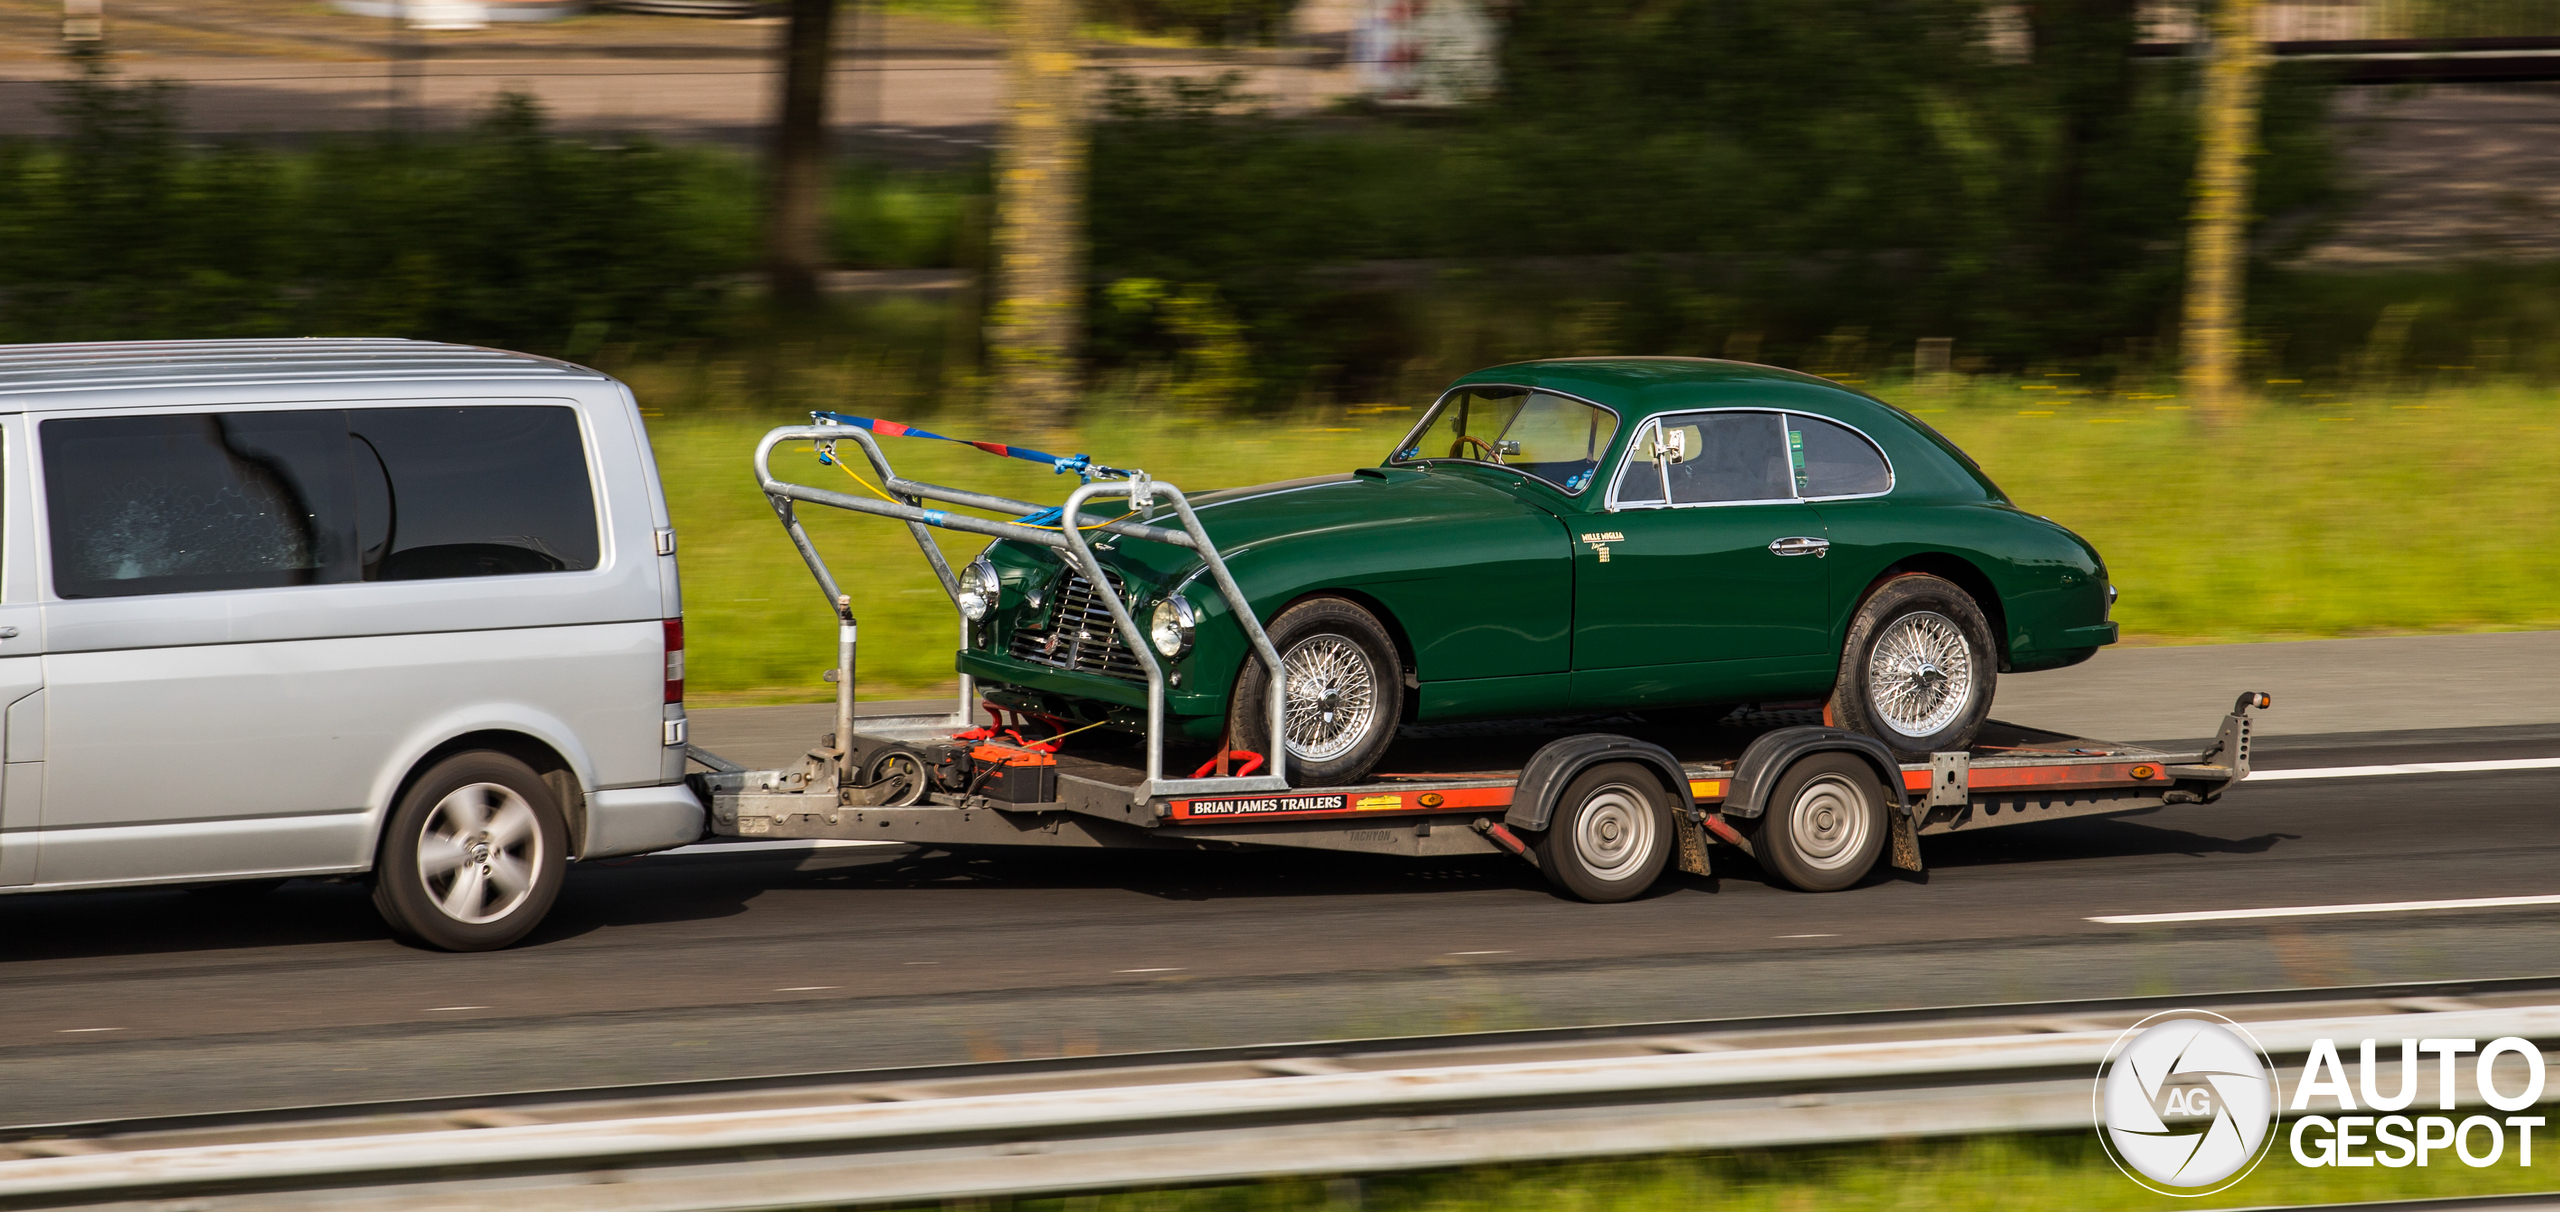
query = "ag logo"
x=2184 y=1103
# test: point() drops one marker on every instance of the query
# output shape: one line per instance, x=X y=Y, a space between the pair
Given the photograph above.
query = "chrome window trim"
x=1432 y=413
x=1613 y=505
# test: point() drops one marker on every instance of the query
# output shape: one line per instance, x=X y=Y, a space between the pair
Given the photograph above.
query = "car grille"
x=1080 y=636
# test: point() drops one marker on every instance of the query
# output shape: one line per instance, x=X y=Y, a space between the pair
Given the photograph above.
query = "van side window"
x=183 y=504
x=471 y=492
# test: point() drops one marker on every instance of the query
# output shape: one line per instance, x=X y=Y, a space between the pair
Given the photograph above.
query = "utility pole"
x=796 y=199
x=1036 y=321
x=2218 y=232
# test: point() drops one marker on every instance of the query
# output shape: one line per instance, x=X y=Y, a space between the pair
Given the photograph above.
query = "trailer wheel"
x=1919 y=667
x=1825 y=823
x=1611 y=834
x=474 y=854
x=1344 y=693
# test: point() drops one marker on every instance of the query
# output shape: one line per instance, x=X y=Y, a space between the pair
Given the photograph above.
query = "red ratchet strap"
x=1252 y=762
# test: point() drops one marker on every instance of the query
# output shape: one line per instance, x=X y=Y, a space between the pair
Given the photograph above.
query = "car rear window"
x=1832 y=460
x=249 y=500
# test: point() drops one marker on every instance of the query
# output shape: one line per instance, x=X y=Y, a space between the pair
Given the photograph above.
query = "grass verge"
x=1974 y=1174
x=2328 y=516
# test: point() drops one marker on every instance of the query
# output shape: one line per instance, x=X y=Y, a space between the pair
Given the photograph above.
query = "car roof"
x=141 y=373
x=1642 y=386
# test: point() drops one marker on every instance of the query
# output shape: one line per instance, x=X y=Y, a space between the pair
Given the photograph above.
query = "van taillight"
x=675 y=660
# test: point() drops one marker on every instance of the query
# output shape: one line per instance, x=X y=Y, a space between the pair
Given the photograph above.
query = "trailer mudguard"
x=1771 y=754
x=1560 y=761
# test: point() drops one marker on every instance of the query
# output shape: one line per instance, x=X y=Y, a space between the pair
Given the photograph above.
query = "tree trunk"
x=2218 y=233
x=796 y=204
x=1037 y=316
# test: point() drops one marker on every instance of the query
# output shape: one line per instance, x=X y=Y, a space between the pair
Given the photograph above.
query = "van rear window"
x=248 y=500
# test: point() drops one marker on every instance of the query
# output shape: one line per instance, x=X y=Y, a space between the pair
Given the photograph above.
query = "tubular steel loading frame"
x=908 y=506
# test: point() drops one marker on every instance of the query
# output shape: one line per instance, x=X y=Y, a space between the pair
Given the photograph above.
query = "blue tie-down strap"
x=1083 y=465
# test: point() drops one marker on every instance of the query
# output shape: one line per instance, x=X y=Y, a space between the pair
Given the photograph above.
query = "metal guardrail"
x=883 y=1142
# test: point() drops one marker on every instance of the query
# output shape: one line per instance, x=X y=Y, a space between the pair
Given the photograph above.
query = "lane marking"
x=819 y=843
x=1479 y=953
x=803 y=988
x=87 y=1030
x=2221 y=915
x=1808 y=936
x=1125 y=971
x=434 y=1009
x=2359 y=772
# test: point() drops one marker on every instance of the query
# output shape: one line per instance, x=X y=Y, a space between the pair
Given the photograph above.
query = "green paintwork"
x=1502 y=607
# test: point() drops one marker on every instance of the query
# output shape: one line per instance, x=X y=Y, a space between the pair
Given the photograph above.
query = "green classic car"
x=1572 y=536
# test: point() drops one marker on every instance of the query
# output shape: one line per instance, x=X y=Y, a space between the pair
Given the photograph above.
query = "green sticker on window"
x=1795 y=458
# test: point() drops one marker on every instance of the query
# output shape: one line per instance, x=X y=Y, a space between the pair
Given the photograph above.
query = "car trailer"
x=1600 y=806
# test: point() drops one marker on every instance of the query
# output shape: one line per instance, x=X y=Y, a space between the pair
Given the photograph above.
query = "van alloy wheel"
x=477 y=853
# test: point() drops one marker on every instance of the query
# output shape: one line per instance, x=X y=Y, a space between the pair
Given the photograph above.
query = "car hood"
x=1265 y=517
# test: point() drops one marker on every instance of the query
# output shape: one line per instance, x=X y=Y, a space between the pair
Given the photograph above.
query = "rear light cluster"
x=675 y=660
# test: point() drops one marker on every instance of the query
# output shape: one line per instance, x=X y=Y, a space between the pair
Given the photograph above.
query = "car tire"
x=1346 y=692
x=1825 y=823
x=1611 y=835
x=1919 y=668
x=474 y=854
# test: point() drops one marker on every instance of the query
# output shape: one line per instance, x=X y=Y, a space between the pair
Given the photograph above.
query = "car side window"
x=182 y=504
x=1730 y=456
x=1640 y=481
x=1832 y=460
x=472 y=492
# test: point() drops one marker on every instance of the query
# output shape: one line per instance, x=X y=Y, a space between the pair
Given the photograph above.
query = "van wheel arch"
x=555 y=771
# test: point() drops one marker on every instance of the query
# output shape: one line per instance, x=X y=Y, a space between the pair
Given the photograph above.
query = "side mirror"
x=1506 y=446
x=1671 y=445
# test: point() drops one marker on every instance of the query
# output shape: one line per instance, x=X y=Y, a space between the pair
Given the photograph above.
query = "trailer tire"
x=1337 y=655
x=1610 y=835
x=473 y=856
x=1825 y=824
x=1920 y=636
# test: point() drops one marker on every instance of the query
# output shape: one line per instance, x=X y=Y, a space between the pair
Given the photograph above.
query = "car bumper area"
x=1014 y=671
x=637 y=820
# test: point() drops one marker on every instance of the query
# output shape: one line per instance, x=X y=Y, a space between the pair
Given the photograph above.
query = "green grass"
x=1988 y=1174
x=2346 y=515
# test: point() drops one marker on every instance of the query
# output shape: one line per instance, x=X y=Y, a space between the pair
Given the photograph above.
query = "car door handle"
x=8 y=633
x=1801 y=545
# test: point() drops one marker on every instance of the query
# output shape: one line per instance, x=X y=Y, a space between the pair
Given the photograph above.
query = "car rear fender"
x=1965 y=574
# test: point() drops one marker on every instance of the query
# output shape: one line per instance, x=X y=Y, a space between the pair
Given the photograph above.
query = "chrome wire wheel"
x=1920 y=676
x=1828 y=822
x=477 y=852
x=1332 y=697
x=1613 y=833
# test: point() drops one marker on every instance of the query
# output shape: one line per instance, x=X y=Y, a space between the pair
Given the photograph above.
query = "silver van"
x=376 y=608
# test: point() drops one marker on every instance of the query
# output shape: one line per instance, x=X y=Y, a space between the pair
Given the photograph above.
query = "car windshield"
x=1555 y=438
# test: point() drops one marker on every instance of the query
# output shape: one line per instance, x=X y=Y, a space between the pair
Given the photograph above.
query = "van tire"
x=474 y=854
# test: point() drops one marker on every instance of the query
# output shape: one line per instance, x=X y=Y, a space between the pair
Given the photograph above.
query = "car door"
x=21 y=664
x=1703 y=579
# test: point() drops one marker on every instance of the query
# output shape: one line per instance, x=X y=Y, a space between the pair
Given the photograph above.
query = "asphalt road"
x=731 y=964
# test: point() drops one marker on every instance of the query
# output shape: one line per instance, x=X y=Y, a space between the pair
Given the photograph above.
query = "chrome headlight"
x=1170 y=628
x=979 y=589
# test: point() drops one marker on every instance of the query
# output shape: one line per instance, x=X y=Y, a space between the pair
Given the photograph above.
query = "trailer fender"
x=1558 y=762
x=1771 y=754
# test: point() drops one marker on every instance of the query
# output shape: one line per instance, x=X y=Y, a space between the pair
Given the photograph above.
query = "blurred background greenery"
x=1821 y=184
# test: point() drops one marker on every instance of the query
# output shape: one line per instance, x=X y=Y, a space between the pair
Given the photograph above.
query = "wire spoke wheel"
x=477 y=852
x=1921 y=675
x=1332 y=697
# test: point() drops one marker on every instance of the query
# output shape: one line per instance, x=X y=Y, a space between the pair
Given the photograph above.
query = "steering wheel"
x=1491 y=455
